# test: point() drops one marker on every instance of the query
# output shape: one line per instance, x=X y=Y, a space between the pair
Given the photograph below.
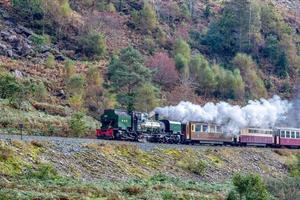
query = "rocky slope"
x=90 y=160
x=86 y=169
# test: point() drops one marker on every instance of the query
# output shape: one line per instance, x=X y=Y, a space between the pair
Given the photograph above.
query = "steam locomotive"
x=138 y=126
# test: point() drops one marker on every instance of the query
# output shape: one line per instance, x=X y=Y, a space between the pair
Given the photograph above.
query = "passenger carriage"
x=198 y=132
x=288 y=137
x=256 y=136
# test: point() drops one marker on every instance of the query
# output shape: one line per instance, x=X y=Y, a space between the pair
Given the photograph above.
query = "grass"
x=49 y=120
x=25 y=176
x=44 y=182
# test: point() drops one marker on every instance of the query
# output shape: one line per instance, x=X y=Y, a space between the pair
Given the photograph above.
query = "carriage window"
x=193 y=127
x=252 y=131
x=219 y=129
x=298 y=135
x=282 y=134
x=205 y=128
x=288 y=134
x=293 y=134
x=198 y=128
x=212 y=129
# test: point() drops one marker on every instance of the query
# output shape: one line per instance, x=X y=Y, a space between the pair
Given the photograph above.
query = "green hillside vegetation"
x=232 y=51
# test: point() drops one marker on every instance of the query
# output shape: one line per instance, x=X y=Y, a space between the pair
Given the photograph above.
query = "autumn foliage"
x=164 y=69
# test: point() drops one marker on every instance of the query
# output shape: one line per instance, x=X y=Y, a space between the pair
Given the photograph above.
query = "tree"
x=238 y=85
x=77 y=124
x=229 y=83
x=164 y=69
x=254 y=85
x=146 y=98
x=94 y=93
x=282 y=66
x=237 y=29
x=185 y=91
x=183 y=48
x=126 y=73
x=146 y=18
x=93 y=45
x=272 y=22
x=182 y=54
x=203 y=75
x=248 y=187
x=182 y=65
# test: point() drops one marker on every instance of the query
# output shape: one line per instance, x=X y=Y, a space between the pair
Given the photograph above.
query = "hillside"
x=75 y=58
x=81 y=169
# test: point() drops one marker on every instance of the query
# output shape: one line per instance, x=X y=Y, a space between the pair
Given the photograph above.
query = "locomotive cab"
x=115 y=123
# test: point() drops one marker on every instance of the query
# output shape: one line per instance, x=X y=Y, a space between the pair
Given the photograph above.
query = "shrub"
x=295 y=167
x=40 y=91
x=133 y=190
x=77 y=124
x=40 y=39
x=248 y=187
x=75 y=85
x=285 y=189
x=94 y=77
x=197 y=167
x=50 y=61
x=43 y=172
x=5 y=153
x=76 y=101
x=13 y=90
x=28 y=9
x=147 y=17
x=93 y=45
x=69 y=69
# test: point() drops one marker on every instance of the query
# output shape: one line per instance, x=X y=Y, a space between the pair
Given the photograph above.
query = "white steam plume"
x=259 y=113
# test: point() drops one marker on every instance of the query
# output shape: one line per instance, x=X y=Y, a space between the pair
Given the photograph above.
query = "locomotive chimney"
x=156 y=116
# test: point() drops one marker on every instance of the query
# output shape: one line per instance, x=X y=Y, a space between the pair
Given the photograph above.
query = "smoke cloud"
x=261 y=113
x=292 y=118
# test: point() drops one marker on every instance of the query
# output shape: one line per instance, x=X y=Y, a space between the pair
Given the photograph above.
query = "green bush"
x=40 y=91
x=50 y=61
x=93 y=45
x=13 y=90
x=69 y=68
x=295 y=167
x=43 y=172
x=77 y=124
x=248 y=187
x=146 y=18
x=40 y=39
x=76 y=84
x=197 y=167
x=285 y=189
x=28 y=8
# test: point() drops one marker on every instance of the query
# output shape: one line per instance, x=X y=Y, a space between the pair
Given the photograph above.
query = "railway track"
x=147 y=146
